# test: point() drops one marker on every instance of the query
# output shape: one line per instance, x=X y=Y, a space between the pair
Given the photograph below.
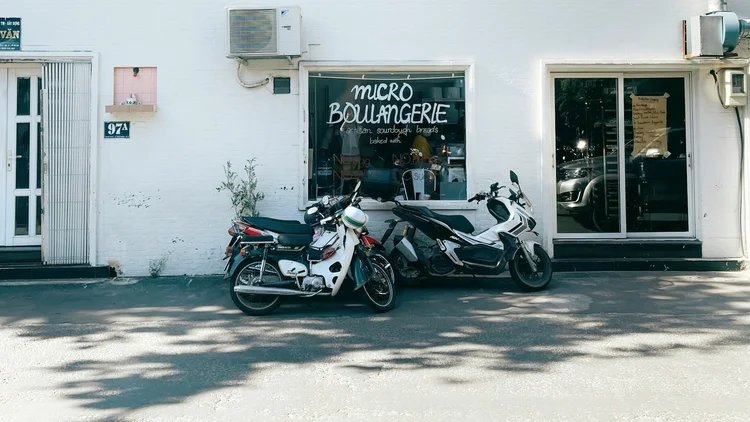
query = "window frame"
x=550 y=202
x=305 y=68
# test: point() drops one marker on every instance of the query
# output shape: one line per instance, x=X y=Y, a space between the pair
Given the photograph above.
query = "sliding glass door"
x=622 y=155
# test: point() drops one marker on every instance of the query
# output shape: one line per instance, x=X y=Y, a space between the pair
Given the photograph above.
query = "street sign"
x=117 y=129
x=10 y=34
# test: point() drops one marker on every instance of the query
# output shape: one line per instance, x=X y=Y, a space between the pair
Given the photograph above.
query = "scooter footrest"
x=480 y=254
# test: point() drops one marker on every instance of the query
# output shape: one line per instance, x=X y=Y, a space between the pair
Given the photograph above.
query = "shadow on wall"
x=177 y=340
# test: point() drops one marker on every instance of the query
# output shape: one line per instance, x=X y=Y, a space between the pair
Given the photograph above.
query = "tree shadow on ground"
x=153 y=343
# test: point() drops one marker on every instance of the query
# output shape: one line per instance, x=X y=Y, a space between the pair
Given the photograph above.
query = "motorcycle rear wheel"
x=522 y=275
x=243 y=301
x=404 y=271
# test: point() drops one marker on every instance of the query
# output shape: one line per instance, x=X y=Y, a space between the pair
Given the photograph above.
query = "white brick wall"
x=157 y=190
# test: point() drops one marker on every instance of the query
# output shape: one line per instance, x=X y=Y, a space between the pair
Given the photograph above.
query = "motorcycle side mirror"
x=513 y=177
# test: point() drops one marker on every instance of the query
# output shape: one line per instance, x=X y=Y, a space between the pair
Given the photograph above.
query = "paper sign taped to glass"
x=649 y=125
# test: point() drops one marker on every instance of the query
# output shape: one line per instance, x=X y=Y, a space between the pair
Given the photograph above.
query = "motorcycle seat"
x=279 y=226
x=456 y=222
x=295 y=239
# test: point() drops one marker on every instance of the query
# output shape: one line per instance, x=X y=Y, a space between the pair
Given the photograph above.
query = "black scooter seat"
x=279 y=226
x=456 y=222
x=295 y=239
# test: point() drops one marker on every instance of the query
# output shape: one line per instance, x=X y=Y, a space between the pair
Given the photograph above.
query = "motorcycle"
x=457 y=251
x=326 y=207
x=272 y=259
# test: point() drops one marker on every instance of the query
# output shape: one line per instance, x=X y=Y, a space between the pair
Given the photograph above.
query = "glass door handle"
x=12 y=159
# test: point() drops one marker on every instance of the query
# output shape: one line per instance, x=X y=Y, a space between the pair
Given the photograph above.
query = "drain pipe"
x=717 y=6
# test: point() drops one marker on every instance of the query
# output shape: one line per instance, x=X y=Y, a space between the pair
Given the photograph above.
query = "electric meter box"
x=733 y=86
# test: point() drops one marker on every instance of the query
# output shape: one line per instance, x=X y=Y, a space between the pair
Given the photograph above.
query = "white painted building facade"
x=153 y=196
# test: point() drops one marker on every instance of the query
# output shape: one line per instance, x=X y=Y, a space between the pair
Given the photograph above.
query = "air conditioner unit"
x=264 y=32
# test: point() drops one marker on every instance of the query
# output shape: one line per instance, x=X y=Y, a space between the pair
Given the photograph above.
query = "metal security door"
x=22 y=176
x=66 y=149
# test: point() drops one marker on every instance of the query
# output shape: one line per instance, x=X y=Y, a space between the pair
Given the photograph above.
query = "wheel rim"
x=250 y=276
x=378 y=288
x=529 y=277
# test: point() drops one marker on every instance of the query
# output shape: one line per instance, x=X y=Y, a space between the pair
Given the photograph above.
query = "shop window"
x=652 y=170
x=401 y=133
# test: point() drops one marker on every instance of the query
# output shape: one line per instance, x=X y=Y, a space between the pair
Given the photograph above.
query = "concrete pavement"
x=595 y=346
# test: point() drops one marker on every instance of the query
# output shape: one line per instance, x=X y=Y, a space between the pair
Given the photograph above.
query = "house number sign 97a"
x=117 y=129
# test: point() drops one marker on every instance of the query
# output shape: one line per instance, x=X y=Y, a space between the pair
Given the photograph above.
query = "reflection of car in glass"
x=655 y=183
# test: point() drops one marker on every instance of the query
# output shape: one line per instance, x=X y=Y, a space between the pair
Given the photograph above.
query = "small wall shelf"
x=134 y=81
x=140 y=108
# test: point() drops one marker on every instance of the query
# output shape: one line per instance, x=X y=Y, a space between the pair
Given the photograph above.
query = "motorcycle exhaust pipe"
x=257 y=290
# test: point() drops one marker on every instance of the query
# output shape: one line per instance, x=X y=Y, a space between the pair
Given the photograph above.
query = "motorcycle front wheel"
x=379 y=292
x=248 y=272
x=528 y=280
x=380 y=257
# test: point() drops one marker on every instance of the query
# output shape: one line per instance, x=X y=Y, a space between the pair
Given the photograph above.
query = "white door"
x=22 y=187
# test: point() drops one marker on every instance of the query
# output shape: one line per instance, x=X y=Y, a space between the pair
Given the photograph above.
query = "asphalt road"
x=597 y=346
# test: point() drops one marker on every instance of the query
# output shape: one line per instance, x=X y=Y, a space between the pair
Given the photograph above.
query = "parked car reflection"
x=656 y=188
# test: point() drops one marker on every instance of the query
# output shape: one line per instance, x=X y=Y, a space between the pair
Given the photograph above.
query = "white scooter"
x=458 y=251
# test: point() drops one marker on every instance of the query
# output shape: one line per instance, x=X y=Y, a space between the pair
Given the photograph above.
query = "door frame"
x=11 y=75
x=689 y=153
x=618 y=77
x=613 y=68
x=21 y=59
x=4 y=96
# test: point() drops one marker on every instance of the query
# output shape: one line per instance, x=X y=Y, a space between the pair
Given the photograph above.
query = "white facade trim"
x=46 y=55
x=613 y=65
x=306 y=67
x=744 y=207
x=93 y=57
x=94 y=161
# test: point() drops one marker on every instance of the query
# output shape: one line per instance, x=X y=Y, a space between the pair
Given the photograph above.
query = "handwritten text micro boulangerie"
x=405 y=113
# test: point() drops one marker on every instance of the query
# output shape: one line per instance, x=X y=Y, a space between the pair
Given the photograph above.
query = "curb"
x=114 y=281
x=16 y=283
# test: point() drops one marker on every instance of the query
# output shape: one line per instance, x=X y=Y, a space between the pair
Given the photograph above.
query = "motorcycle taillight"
x=238 y=228
x=329 y=252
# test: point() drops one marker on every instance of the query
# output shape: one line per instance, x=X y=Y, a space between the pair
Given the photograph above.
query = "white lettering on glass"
x=405 y=113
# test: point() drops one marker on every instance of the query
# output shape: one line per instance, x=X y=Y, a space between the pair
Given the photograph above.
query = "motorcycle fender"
x=529 y=246
x=407 y=249
x=233 y=263
x=362 y=271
